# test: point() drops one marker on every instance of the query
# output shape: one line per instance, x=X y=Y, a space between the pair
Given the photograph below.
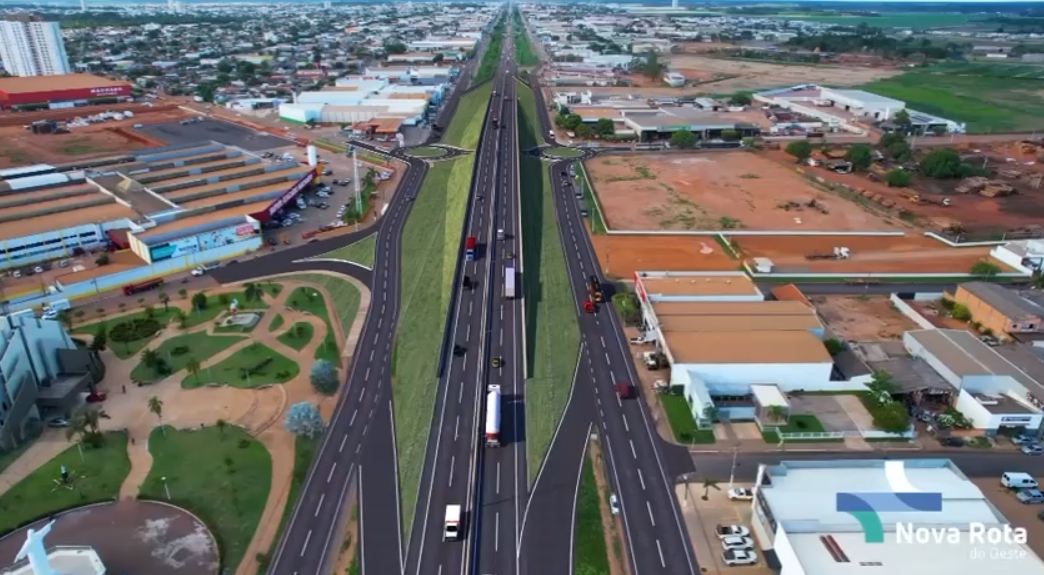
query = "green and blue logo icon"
x=903 y=498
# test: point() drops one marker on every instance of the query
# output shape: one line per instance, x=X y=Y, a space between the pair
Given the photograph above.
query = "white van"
x=1018 y=480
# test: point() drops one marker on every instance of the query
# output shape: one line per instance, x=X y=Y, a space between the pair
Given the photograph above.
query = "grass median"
x=361 y=252
x=430 y=248
x=491 y=55
x=552 y=333
x=524 y=54
x=591 y=555
x=465 y=128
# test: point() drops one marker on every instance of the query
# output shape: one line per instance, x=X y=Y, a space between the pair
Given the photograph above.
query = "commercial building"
x=157 y=211
x=366 y=100
x=42 y=372
x=797 y=523
x=63 y=91
x=32 y=47
x=999 y=309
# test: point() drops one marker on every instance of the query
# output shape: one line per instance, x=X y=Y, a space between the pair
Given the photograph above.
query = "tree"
x=193 y=366
x=776 y=413
x=860 y=157
x=709 y=484
x=156 y=408
x=303 y=419
x=100 y=340
x=902 y=120
x=800 y=149
x=199 y=301
x=897 y=178
x=889 y=138
x=324 y=377
x=604 y=127
x=165 y=300
x=900 y=151
x=648 y=64
x=891 y=417
x=583 y=131
x=683 y=139
x=941 y=163
x=984 y=269
x=740 y=99
x=568 y=121
x=65 y=316
x=252 y=292
x=150 y=358
x=85 y=425
x=395 y=47
x=102 y=260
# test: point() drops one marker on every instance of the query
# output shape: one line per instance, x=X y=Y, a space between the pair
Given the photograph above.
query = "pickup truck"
x=203 y=269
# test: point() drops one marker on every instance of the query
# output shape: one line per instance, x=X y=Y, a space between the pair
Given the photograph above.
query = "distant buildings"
x=31 y=47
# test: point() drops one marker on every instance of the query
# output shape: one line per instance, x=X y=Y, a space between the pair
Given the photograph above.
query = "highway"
x=454 y=444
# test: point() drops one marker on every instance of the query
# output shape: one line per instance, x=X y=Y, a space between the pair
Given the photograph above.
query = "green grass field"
x=465 y=128
x=346 y=298
x=276 y=323
x=230 y=371
x=222 y=476
x=431 y=242
x=524 y=53
x=297 y=336
x=979 y=97
x=200 y=346
x=552 y=333
x=97 y=477
x=798 y=423
x=490 y=56
x=361 y=252
x=591 y=555
x=683 y=426
x=594 y=214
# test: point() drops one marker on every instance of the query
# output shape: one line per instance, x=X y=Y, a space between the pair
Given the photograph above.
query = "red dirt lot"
x=898 y=254
x=19 y=147
x=717 y=190
x=623 y=255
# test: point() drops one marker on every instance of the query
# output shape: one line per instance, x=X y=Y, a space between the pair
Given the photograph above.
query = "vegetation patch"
x=524 y=53
x=798 y=423
x=431 y=244
x=298 y=336
x=219 y=473
x=276 y=323
x=96 y=476
x=594 y=211
x=591 y=554
x=465 y=128
x=346 y=299
x=490 y=56
x=253 y=366
x=563 y=152
x=552 y=332
x=183 y=351
x=361 y=252
x=304 y=452
x=426 y=152
x=683 y=426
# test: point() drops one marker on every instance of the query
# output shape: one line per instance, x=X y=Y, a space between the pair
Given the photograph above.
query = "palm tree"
x=65 y=316
x=165 y=300
x=776 y=413
x=85 y=424
x=252 y=292
x=221 y=425
x=192 y=365
x=156 y=407
x=709 y=484
x=150 y=358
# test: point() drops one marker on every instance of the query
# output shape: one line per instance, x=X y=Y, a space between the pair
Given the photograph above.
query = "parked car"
x=58 y=422
x=734 y=557
x=951 y=442
x=96 y=396
x=1021 y=439
x=741 y=494
x=614 y=504
x=737 y=543
x=724 y=531
x=1034 y=449
x=1030 y=496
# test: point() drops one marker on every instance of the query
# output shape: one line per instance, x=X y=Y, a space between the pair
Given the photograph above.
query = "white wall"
x=788 y=559
x=977 y=413
x=729 y=378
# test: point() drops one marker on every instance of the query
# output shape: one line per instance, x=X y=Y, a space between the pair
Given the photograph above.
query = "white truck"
x=203 y=269
x=451 y=529
x=509 y=281
x=493 y=416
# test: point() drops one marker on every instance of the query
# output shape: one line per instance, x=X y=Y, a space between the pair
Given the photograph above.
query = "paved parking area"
x=701 y=519
x=830 y=412
x=220 y=131
x=1019 y=515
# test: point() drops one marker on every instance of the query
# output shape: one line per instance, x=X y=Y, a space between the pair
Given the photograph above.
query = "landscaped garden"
x=187 y=350
x=253 y=366
x=297 y=336
x=683 y=426
x=798 y=423
x=219 y=473
x=93 y=474
x=345 y=303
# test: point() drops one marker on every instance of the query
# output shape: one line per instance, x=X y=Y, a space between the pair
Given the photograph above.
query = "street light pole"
x=166 y=488
x=732 y=471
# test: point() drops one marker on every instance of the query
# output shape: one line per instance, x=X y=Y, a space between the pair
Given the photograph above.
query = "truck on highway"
x=469 y=248
x=131 y=289
x=493 y=416
x=509 y=281
x=594 y=289
x=451 y=528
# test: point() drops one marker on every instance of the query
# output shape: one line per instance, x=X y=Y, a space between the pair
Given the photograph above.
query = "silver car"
x=1034 y=449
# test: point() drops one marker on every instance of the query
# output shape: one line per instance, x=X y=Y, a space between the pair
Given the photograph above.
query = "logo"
x=903 y=498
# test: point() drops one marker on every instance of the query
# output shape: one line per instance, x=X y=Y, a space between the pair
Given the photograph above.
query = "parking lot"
x=702 y=519
x=220 y=131
x=1018 y=514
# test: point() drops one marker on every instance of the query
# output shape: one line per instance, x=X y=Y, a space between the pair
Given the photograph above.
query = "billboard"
x=174 y=248
x=226 y=236
x=289 y=194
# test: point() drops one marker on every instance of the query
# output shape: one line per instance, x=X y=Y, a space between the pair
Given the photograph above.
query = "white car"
x=198 y=271
x=741 y=494
x=741 y=543
x=734 y=557
x=725 y=531
x=614 y=504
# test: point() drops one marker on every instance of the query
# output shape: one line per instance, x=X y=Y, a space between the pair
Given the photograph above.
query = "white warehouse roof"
x=867 y=97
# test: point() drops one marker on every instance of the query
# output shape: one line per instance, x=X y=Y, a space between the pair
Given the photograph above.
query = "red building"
x=66 y=89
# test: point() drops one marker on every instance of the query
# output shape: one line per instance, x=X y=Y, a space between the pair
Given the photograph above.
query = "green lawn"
x=200 y=346
x=591 y=555
x=524 y=53
x=97 y=477
x=222 y=476
x=798 y=423
x=594 y=213
x=304 y=451
x=426 y=152
x=491 y=55
x=975 y=96
x=552 y=333
x=276 y=323
x=431 y=242
x=683 y=426
x=298 y=335
x=345 y=303
x=229 y=371
x=9 y=456
x=361 y=252
x=465 y=128
x=124 y=350
x=218 y=304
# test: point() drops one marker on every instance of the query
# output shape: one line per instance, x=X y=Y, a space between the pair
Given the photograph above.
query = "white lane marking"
x=453 y=462
x=343 y=440
x=607 y=360
x=358 y=447
x=648 y=508
x=498 y=478
x=496 y=535
x=627 y=428
x=660 y=550
x=330 y=475
x=304 y=547
x=603 y=340
x=634 y=454
x=367 y=374
x=467 y=334
x=322 y=496
x=460 y=395
x=456 y=429
x=641 y=479
x=365 y=429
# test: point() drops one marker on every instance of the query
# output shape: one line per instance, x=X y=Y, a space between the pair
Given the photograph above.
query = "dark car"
x=273 y=242
x=459 y=350
x=951 y=442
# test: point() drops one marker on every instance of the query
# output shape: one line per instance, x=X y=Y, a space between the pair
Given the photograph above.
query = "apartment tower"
x=32 y=47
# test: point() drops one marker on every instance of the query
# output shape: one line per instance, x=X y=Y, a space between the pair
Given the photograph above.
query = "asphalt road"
x=221 y=131
x=363 y=405
x=454 y=440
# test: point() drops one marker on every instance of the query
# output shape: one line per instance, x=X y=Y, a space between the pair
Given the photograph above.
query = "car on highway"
x=589 y=307
x=724 y=531
x=624 y=390
x=735 y=557
x=1033 y=449
x=497 y=362
x=741 y=494
x=614 y=504
x=459 y=350
x=737 y=543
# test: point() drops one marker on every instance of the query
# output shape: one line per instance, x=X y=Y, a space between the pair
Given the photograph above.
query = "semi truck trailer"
x=493 y=416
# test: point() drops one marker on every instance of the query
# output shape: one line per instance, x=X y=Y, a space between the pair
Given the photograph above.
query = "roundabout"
x=427 y=152
x=129 y=536
x=561 y=152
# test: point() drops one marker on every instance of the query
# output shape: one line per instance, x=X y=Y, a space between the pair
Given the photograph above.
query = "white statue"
x=34 y=549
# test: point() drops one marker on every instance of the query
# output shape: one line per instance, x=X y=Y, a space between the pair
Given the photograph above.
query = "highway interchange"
x=509 y=528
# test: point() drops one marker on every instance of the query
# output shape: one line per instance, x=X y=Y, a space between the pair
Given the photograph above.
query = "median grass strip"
x=488 y=64
x=431 y=240
x=94 y=477
x=591 y=554
x=465 y=128
x=524 y=54
x=594 y=212
x=552 y=333
x=304 y=451
x=221 y=474
x=360 y=252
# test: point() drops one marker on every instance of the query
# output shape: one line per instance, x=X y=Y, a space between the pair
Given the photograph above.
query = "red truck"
x=131 y=289
x=469 y=248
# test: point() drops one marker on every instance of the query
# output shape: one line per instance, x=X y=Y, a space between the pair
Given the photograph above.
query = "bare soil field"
x=717 y=191
x=19 y=147
x=897 y=254
x=624 y=255
x=762 y=75
x=862 y=318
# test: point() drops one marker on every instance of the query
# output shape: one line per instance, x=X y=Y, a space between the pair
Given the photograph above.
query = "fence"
x=905 y=309
x=835 y=435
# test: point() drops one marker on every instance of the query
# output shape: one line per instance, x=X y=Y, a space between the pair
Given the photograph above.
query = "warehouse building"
x=798 y=524
x=360 y=100
x=157 y=211
x=60 y=91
